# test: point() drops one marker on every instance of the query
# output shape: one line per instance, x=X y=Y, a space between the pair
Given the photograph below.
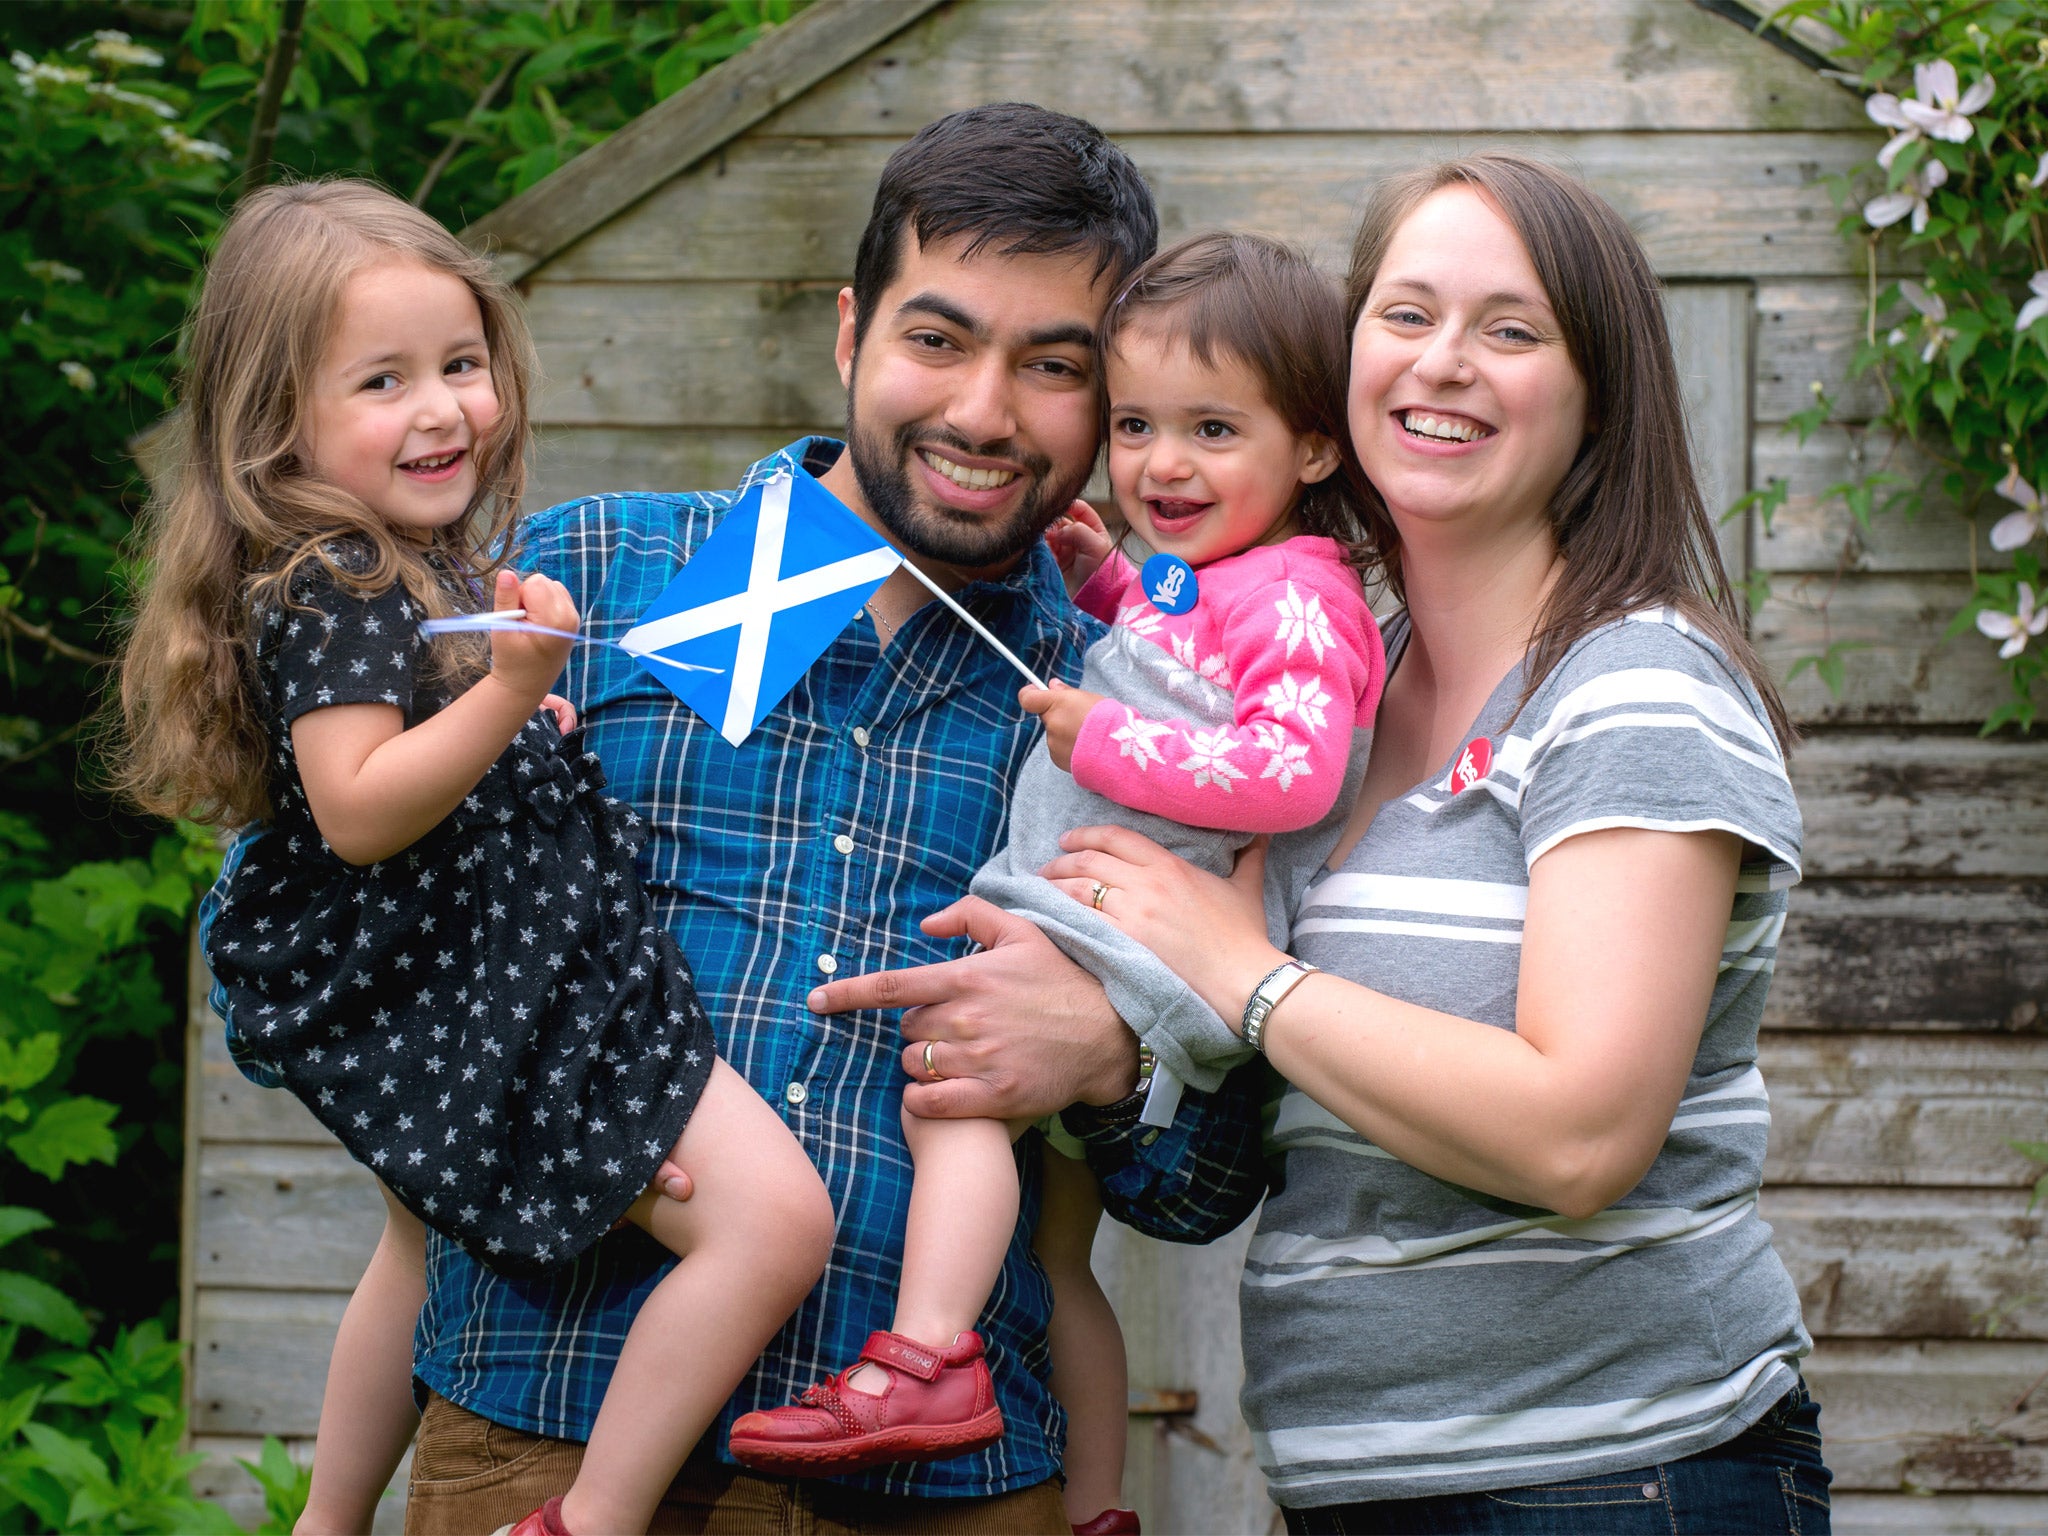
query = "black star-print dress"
x=493 y=1020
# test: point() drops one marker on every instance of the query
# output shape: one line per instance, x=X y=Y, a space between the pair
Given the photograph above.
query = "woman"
x=1511 y=1276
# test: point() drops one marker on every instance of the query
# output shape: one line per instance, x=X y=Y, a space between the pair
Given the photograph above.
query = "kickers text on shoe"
x=939 y=1403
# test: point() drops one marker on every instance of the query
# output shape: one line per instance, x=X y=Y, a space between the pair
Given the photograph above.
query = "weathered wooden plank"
x=1178 y=1308
x=221 y=1479
x=1914 y=1110
x=1931 y=805
x=284 y=1217
x=1948 y=1514
x=1905 y=669
x=1901 y=1417
x=259 y=1360
x=1204 y=65
x=674 y=134
x=1913 y=955
x=581 y=461
x=1807 y=331
x=1809 y=533
x=1727 y=206
x=1710 y=334
x=234 y=1109
x=1914 y=1263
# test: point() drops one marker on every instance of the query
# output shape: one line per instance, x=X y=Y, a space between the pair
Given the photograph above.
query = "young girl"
x=440 y=943
x=1223 y=703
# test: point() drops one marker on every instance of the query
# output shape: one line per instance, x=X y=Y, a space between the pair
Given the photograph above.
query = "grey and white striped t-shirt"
x=1404 y=1336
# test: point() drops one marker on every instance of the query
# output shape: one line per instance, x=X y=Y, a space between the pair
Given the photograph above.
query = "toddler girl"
x=440 y=943
x=1223 y=703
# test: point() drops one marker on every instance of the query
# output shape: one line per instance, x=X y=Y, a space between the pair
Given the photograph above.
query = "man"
x=860 y=806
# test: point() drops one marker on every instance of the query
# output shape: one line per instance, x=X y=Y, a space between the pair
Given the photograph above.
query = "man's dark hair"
x=1009 y=177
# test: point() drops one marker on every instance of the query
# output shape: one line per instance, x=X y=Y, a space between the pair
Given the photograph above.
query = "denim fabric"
x=1770 y=1478
x=258 y=1072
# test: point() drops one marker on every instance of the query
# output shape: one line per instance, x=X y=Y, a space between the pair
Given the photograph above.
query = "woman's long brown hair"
x=1631 y=528
x=237 y=514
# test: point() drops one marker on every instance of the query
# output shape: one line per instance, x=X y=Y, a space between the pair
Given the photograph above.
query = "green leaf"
x=28 y=1301
x=220 y=77
x=28 y=1062
x=66 y=1132
x=19 y=1221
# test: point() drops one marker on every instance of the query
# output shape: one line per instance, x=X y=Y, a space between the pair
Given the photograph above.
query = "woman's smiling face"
x=1465 y=405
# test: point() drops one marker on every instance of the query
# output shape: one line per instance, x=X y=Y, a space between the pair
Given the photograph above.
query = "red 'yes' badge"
x=1471 y=765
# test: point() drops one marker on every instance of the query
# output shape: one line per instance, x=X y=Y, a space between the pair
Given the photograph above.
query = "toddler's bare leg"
x=1088 y=1372
x=754 y=1238
x=963 y=1213
x=366 y=1415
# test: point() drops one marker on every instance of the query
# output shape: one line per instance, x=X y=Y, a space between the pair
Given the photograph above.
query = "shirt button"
x=860 y=735
x=843 y=843
x=796 y=1093
x=828 y=963
x=1148 y=1138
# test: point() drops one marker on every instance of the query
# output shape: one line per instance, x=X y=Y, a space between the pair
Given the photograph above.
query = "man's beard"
x=943 y=533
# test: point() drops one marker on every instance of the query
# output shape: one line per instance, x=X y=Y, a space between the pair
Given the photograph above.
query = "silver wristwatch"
x=1266 y=996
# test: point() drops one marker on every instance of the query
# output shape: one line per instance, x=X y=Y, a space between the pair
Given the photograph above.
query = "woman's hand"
x=1080 y=544
x=1211 y=932
x=1063 y=711
x=522 y=661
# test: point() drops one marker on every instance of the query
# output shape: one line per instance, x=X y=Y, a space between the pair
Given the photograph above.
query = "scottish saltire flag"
x=760 y=600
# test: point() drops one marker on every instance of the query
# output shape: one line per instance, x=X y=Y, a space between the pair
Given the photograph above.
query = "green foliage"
x=129 y=127
x=285 y=1485
x=1961 y=194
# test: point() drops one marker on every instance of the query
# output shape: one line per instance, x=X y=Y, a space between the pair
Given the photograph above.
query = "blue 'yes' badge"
x=1169 y=584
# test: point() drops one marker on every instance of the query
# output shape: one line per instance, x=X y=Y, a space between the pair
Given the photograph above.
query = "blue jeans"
x=1770 y=1478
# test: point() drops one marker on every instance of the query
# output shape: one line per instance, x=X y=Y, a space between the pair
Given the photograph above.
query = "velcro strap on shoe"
x=901 y=1354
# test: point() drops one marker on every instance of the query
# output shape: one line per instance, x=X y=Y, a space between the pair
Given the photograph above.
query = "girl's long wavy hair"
x=1630 y=525
x=237 y=514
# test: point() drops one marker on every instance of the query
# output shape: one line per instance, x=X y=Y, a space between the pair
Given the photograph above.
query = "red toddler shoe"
x=1111 y=1522
x=938 y=1403
x=545 y=1521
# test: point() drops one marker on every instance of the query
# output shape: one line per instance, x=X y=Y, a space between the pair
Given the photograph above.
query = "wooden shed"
x=681 y=280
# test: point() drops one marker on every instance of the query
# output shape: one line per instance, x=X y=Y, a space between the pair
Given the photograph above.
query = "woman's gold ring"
x=931 y=1070
x=1101 y=892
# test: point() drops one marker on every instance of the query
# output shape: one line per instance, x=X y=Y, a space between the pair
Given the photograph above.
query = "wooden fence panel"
x=1728 y=206
x=1506 y=64
x=1913 y=955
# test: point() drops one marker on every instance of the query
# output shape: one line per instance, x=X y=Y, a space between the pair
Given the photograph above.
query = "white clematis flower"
x=1887 y=209
x=2016 y=528
x=2015 y=629
x=1937 y=111
x=2035 y=307
x=1940 y=112
x=77 y=375
x=2040 y=171
x=1933 y=314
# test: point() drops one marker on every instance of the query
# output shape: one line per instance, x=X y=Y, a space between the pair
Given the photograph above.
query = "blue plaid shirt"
x=906 y=752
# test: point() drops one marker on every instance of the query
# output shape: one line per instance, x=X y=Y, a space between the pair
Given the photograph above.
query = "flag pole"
x=974 y=624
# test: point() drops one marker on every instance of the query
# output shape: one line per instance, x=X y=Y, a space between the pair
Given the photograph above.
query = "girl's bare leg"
x=963 y=1213
x=1088 y=1373
x=753 y=1238
x=366 y=1415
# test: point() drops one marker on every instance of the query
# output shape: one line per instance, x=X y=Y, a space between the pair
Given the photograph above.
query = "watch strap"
x=1267 y=996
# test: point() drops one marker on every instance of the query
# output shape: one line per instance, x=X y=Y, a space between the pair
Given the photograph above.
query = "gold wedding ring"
x=931 y=1070
x=1101 y=892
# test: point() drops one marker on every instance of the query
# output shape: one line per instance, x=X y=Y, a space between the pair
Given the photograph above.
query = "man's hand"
x=1017 y=1031
x=1064 y=710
